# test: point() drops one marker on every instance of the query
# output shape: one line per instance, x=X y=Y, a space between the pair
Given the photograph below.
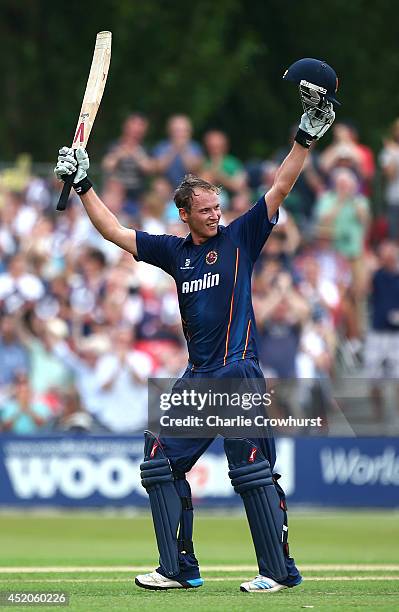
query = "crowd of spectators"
x=83 y=325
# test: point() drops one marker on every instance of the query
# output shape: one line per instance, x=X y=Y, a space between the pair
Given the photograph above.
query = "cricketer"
x=214 y=292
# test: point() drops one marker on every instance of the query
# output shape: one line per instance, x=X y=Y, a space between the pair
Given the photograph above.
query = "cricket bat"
x=91 y=102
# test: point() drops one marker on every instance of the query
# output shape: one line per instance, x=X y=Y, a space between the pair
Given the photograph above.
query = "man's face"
x=179 y=129
x=136 y=128
x=204 y=217
x=389 y=255
x=216 y=143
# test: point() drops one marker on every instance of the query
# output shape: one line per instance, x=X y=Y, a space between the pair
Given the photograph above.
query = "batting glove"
x=314 y=124
x=68 y=164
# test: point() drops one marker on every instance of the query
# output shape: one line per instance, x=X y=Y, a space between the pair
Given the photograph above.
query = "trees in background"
x=220 y=62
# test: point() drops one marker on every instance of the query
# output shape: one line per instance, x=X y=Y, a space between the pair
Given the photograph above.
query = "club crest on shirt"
x=211 y=257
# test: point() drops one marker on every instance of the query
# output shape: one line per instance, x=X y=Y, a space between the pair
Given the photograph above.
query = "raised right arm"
x=101 y=217
x=107 y=224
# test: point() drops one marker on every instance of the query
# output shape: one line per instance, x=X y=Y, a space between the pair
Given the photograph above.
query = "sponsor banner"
x=94 y=471
x=357 y=472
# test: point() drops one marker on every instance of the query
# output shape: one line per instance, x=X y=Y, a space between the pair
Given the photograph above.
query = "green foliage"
x=220 y=62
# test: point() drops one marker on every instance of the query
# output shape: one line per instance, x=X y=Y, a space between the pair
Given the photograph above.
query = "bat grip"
x=66 y=190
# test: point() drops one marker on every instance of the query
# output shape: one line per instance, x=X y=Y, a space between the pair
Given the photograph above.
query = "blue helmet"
x=316 y=79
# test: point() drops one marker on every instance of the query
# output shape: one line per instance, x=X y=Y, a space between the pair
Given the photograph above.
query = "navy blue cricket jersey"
x=213 y=283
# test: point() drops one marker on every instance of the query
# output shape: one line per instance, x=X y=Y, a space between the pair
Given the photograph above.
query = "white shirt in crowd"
x=125 y=396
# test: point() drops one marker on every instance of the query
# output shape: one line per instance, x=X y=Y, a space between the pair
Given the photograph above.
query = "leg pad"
x=252 y=478
x=157 y=479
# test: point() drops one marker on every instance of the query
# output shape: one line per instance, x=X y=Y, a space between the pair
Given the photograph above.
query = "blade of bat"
x=91 y=102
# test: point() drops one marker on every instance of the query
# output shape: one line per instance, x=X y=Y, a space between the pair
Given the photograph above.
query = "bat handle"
x=66 y=190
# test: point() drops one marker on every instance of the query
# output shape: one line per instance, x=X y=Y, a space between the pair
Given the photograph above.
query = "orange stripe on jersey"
x=246 y=341
x=231 y=308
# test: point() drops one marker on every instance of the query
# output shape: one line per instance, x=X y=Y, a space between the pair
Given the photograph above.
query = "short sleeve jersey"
x=213 y=283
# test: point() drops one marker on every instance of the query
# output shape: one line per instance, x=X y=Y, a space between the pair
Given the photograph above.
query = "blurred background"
x=82 y=327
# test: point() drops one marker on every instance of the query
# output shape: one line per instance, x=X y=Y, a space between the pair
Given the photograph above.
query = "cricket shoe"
x=261 y=584
x=157 y=582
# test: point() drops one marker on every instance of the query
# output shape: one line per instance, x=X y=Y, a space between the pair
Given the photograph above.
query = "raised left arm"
x=312 y=127
x=286 y=178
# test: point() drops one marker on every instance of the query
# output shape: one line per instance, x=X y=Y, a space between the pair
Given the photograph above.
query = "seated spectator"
x=221 y=168
x=18 y=286
x=73 y=418
x=346 y=151
x=389 y=160
x=179 y=155
x=127 y=160
x=13 y=355
x=22 y=414
x=48 y=375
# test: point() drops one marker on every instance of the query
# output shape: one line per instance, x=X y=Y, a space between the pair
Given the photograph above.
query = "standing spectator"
x=381 y=352
x=123 y=376
x=346 y=151
x=220 y=167
x=280 y=314
x=23 y=414
x=179 y=155
x=344 y=213
x=389 y=160
x=127 y=160
x=84 y=366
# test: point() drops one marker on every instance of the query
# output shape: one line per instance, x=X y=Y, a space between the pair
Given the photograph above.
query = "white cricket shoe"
x=261 y=584
x=157 y=582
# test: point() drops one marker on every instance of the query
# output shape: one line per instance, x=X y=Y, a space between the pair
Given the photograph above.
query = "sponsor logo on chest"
x=199 y=284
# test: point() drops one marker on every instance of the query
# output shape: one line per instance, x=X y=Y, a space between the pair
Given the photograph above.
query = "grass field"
x=349 y=561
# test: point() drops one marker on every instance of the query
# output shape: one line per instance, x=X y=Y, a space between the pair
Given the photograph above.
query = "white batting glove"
x=67 y=164
x=316 y=124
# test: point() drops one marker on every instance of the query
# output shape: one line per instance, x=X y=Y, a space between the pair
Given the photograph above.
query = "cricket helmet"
x=317 y=82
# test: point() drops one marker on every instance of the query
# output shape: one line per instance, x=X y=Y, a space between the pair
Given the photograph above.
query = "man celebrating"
x=214 y=290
